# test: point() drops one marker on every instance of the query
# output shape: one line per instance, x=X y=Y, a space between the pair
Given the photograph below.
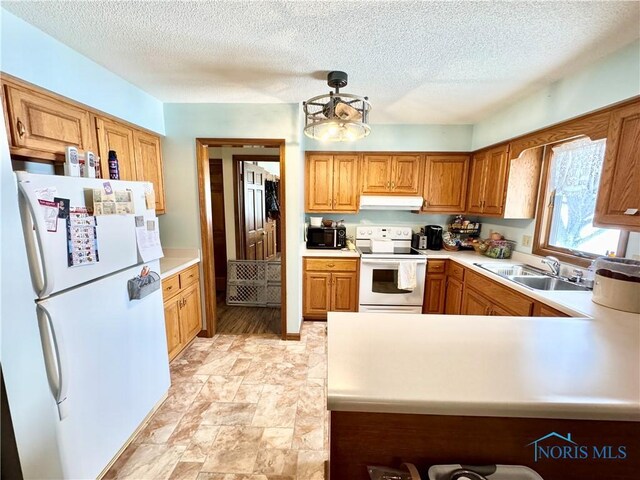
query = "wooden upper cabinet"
x=376 y=174
x=117 y=137
x=445 y=183
x=148 y=160
x=42 y=126
x=332 y=183
x=497 y=168
x=395 y=174
x=476 y=182
x=345 y=183
x=488 y=180
x=618 y=203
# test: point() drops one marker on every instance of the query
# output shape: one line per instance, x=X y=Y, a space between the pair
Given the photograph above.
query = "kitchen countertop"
x=572 y=368
x=319 y=252
x=177 y=259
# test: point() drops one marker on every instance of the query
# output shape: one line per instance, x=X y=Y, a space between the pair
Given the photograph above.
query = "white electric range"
x=383 y=249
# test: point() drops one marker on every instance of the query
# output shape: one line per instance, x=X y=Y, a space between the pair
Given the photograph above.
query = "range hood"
x=389 y=202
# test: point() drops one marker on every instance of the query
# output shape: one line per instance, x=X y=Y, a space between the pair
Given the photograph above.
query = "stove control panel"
x=392 y=232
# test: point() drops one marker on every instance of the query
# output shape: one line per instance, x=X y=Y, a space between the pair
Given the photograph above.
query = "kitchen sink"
x=530 y=277
x=547 y=283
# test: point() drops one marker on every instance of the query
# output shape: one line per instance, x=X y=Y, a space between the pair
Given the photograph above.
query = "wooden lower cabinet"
x=182 y=309
x=474 y=303
x=329 y=285
x=542 y=310
x=435 y=287
x=453 y=297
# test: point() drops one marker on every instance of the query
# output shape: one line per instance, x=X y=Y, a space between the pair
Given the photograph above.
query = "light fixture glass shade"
x=337 y=117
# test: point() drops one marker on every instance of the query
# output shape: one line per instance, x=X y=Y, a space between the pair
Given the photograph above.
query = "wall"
x=450 y=138
x=34 y=56
x=612 y=79
x=226 y=154
x=186 y=122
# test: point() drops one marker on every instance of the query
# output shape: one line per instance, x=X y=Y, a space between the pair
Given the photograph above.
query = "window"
x=565 y=223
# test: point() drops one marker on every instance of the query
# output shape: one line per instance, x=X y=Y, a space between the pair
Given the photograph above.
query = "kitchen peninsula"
x=435 y=389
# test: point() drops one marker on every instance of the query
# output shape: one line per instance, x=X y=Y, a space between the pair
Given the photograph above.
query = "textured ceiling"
x=419 y=62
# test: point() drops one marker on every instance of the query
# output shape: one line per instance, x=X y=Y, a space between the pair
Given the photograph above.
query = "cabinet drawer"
x=189 y=276
x=499 y=294
x=331 y=264
x=170 y=286
x=456 y=271
x=436 y=266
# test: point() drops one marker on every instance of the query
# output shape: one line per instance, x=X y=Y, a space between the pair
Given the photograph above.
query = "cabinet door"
x=498 y=311
x=148 y=159
x=495 y=183
x=172 y=326
x=319 y=178
x=345 y=183
x=117 y=137
x=45 y=124
x=376 y=174
x=542 y=310
x=344 y=292
x=316 y=288
x=619 y=194
x=406 y=172
x=474 y=304
x=190 y=317
x=476 y=182
x=453 y=299
x=445 y=183
x=434 y=294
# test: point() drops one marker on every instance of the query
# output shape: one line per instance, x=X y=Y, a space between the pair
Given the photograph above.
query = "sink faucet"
x=554 y=265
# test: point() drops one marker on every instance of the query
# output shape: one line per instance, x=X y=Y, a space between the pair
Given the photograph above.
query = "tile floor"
x=240 y=407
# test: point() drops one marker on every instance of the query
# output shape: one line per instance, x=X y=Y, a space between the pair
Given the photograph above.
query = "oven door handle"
x=394 y=263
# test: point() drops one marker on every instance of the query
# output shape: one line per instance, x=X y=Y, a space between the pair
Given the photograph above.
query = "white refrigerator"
x=105 y=356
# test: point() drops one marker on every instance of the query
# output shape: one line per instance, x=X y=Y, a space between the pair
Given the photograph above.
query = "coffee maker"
x=434 y=237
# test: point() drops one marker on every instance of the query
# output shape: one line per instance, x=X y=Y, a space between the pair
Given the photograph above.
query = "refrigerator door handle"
x=33 y=222
x=54 y=359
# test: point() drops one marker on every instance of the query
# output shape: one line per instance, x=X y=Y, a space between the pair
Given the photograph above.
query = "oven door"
x=379 y=282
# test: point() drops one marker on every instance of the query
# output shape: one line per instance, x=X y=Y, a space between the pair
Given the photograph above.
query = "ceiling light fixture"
x=337 y=117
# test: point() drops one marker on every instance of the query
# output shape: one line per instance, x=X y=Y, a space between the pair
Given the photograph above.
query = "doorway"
x=242 y=217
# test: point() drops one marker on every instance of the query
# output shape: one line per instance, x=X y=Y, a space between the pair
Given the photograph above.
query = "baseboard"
x=292 y=336
x=134 y=434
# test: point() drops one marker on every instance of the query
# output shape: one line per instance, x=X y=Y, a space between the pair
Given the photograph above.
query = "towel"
x=407 y=275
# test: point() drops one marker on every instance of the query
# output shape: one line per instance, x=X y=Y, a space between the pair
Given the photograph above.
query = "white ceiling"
x=419 y=62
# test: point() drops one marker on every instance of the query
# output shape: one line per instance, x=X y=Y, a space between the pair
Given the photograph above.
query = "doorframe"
x=238 y=200
x=206 y=225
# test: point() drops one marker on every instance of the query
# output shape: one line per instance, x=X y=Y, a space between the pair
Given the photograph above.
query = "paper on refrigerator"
x=148 y=237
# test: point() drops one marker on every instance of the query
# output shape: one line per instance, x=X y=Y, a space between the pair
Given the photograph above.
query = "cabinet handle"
x=331 y=265
x=170 y=287
x=388 y=184
x=393 y=184
x=487 y=310
x=335 y=202
x=21 y=129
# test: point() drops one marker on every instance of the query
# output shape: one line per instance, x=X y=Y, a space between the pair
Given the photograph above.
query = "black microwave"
x=326 y=237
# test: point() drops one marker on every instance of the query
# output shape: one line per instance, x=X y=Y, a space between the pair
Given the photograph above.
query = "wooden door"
x=316 y=288
x=270 y=239
x=476 y=182
x=434 y=294
x=345 y=183
x=618 y=203
x=190 y=316
x=453 y=298
x=497 y=171
x=117 y=137
x=445 y=183
x=376 y=174
x=45 y=124
x=405 y=174
x=172 y=325
x=254 y=213
x=218 y=223
x=319 y=178
x=344 y=292
x=474 y=304
x=149 y=164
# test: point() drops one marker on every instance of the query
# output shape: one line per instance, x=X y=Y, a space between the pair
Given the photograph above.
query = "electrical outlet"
x=526 y=240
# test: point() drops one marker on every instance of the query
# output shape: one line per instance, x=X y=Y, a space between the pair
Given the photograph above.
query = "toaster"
x=419 y=241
